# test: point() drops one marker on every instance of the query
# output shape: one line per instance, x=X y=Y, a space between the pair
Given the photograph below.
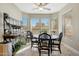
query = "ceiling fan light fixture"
x=40 y=6
x=40 y=9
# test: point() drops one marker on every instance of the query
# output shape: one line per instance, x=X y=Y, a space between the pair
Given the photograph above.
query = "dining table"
x=53 y=37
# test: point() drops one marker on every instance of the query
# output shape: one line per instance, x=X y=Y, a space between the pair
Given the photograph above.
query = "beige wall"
x=74 y=41
x=11 y=9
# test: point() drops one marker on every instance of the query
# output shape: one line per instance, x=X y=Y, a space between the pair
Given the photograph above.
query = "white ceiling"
x=29 y=8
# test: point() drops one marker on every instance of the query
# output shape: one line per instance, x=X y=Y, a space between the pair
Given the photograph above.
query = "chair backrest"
x=60 y=37
x=44 y=38
x=29 y=34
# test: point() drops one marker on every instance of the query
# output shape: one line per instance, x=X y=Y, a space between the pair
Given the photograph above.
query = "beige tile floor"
x=34 y=52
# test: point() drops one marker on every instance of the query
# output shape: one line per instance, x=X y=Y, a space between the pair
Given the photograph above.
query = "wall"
x=13 y=12
x=74 y=41
x=11 y=9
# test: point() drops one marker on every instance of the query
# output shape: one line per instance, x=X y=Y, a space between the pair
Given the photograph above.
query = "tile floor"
x=28 y=51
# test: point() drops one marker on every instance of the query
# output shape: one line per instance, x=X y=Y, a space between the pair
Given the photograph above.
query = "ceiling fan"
x=41 y=6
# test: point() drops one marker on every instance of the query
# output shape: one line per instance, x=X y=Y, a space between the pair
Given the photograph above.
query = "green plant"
x=17 y=46
x=19 y=43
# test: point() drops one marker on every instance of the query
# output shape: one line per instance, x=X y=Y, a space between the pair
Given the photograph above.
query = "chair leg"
x=59 y=49
x=39 y=53
x=31 y=44
x=48 y=52
x=51 y=48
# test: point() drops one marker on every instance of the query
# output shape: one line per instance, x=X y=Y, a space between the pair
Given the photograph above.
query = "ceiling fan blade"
x=40 y=4
x=35 y=8
x=47 y=8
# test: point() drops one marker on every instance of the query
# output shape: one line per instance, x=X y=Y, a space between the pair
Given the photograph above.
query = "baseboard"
x=70 y=48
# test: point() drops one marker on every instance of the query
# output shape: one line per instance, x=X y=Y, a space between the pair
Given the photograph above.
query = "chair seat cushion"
x=56 y=42
x=34 y=39
x=44 y=48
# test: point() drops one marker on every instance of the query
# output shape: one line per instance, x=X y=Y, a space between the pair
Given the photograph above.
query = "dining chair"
x=56 y=43
x=44 y=43
x=34 y=40
x=28 y=35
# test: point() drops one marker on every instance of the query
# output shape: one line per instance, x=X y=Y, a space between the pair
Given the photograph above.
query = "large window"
x=39 y=25
x=24 y=20
x=35 y=24
x=24 y=23
x=45 y=25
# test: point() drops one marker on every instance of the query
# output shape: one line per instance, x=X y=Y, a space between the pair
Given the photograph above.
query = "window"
x=35 y=25
x=24 y=22
x=45 y=24
x=39 y=25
